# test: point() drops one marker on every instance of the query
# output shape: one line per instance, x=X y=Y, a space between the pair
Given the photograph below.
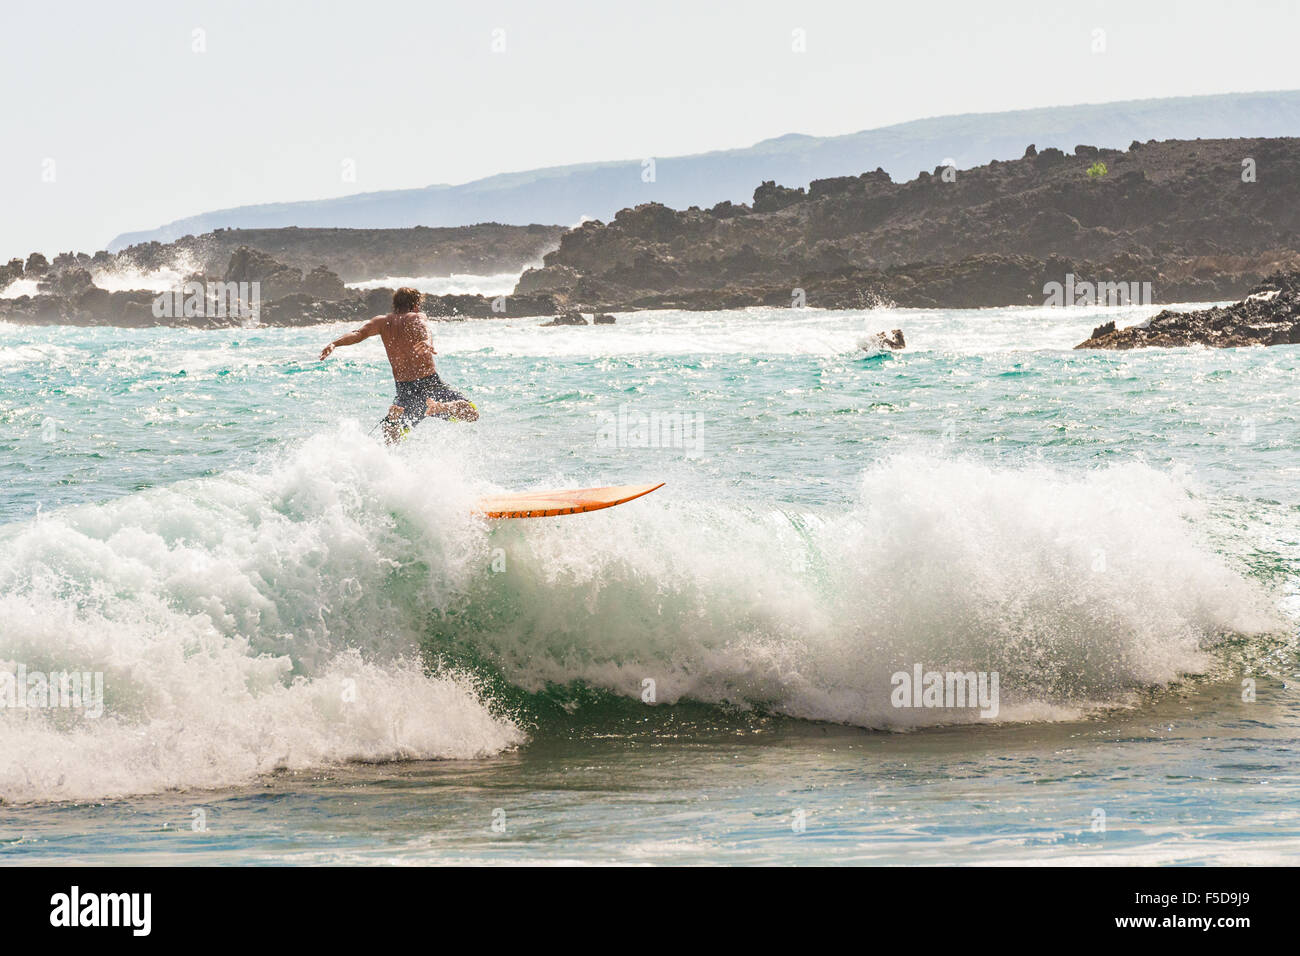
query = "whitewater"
x=280 y=605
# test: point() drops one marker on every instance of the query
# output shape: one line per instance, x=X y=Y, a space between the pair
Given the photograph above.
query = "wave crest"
x=231 y=615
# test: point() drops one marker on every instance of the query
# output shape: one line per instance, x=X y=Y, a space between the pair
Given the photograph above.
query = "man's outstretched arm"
x=356 y=335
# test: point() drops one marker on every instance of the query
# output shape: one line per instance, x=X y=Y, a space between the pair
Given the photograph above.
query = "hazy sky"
x=142 y=129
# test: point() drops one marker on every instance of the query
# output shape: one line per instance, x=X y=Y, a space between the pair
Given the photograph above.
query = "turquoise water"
x=312 y=651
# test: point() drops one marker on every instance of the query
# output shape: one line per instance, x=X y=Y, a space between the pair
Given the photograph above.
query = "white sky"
x=143 y=130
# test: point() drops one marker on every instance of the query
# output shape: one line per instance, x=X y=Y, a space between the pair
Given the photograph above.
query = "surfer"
x=420 y=392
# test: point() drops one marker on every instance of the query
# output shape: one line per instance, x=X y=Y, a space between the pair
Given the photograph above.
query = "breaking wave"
x=328 y=606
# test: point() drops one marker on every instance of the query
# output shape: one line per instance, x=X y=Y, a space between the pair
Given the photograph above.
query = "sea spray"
x=1078 y=589
x=293 y=614
x=243 y=624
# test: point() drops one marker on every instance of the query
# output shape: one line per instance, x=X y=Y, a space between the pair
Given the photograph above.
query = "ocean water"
x=312 y=651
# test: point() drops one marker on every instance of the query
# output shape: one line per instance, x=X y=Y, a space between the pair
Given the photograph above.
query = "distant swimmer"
x=883 y=340
x=409 y=342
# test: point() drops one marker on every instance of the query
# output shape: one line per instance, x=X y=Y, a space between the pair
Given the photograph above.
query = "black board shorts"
x=414 y=396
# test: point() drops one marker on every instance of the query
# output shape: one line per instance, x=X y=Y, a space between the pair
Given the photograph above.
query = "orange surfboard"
x=570 y=501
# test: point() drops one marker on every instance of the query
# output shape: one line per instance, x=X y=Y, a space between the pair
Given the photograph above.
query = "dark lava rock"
x=769 y=197
x=557 y=279
x=273 y=277
x=70 y=281
x=1269 y=315
x=321 y=283
x=297 y=309
x=378 y=301
x=568 y=318
x=602 y=318
x=359 y=254
x=1174 y=214
x=11 y=272
x=729 y=210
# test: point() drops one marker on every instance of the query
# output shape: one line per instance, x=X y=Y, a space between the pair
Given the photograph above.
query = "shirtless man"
x=409 y=343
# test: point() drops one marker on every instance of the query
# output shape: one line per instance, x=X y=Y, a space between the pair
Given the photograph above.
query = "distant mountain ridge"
x=565 y=194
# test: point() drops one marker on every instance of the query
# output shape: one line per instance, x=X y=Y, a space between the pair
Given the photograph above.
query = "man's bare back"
x=407 y=340
x=409 y=344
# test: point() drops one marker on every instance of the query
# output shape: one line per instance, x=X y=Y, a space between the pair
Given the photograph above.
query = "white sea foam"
x=243 y=624
x=1077 y=590
x=500 y=283
x=123 y=277
x=792 y=332
x=32 y=352
x=120 y=278
x=228 y=614
x=19 y=288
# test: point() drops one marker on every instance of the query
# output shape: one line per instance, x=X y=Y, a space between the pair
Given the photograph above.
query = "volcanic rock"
x=567 y=318
x=1269 y=315
x=1176 y=214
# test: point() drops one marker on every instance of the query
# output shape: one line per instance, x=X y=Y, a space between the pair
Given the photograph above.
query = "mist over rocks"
x=357 y=255
x=298 y=289
x=1268 y=315
x=1198 y=219
x=283 y=296
x=11 y=272
x=71 y=280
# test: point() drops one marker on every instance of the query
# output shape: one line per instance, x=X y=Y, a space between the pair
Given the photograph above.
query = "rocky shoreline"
x=974 y=282
x=1193 y=219
x=357 y=255
x=1268 y=315
x=254 y=288
x=1174 y=221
